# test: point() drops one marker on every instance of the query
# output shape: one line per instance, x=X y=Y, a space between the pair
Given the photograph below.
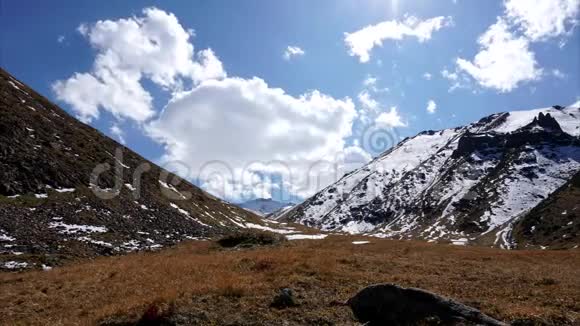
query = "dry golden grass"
x=205 y=284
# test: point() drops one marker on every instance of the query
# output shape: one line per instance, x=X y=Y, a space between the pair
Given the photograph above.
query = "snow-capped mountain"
x=263 y=206
x=48 y=199
x=471 y=184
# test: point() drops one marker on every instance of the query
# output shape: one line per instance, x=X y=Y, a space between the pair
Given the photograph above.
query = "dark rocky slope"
x=50 y=208
x=555 y=222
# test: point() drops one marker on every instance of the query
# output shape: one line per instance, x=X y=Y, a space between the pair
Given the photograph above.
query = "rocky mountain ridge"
x=67 y=190
x=468 y=185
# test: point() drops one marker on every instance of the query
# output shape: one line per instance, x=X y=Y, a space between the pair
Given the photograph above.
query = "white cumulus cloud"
x=391 y=119
x=240 y=126
x=505 y=59
x=503 y=62
x=153 y=46
x=293 y=51
x=238 y=138
x=361 y=42
x=117 y=93
x=370 y=81
x=540 y=20
x=367 y=101
x=558 y=74
x=431 y=106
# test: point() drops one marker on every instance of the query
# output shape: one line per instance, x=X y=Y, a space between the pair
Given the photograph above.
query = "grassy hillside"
x=201 y=283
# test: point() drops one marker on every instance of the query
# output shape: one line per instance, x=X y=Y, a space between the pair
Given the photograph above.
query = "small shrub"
x=251 y=238
x=546 y=281
x=159 y=314
x=232 y=291
x=263 y=265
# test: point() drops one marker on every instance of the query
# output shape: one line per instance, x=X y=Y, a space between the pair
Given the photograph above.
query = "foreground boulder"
x=285 y=299
x=389 y=304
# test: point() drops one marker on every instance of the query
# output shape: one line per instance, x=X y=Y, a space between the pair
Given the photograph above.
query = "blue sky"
x=469 y=58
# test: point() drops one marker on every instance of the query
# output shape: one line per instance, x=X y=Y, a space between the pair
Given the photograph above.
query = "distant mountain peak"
x=264 y=206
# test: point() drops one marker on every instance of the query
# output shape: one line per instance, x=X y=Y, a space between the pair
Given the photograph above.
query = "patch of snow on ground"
x=505 y=236
x=131 y=245
x=267 y=228
x=360 y=242
x=306 y=236
x=460 y=242
x=107 y=190
x=18 y=88
x=65 y=190
x=75 y=228
x=184 y=212
x=357 y=227
x=171 y=187
x=196 y=238
x=5 y=237
x=118 y=161
x=240 y=225
x=15 y=264
x=100 y=243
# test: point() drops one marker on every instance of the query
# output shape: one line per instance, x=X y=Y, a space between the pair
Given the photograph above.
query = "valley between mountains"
x=93 y=233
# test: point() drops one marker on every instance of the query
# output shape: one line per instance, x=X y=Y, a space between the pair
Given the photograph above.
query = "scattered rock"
x=285 y=299
x=389 y=304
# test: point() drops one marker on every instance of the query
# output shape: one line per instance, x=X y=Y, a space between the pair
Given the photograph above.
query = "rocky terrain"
x=67 y=190
x=553 y=222
x=506 y=181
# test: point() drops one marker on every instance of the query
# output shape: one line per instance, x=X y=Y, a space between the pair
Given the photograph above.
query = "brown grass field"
x=200 y=283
